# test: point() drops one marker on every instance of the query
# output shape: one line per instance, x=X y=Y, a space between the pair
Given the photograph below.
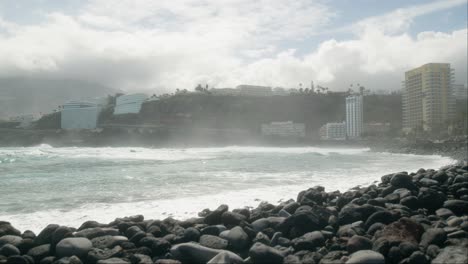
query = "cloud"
x=164 y=45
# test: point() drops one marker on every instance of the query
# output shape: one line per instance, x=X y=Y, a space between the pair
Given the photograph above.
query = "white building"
x=333 y=131
x=354 y=116
x=459 y=91
x=80 y=115
x=254 y=90
x=129 y=104
x=284 y=129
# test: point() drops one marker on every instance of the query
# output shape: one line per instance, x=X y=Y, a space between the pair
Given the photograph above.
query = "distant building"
x=224 y=91
x=24 y=121
x=333 y=131
x=280 y=91
x=354 y=116
x=427 y=97
x=80 y=115
x=374 y=129
x=129 y=104
x=460 y=91
x=254 y=90
x=284 y=129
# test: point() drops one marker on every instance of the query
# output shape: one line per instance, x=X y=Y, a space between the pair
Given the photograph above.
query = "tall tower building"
x=428 y=100
x=354 y=116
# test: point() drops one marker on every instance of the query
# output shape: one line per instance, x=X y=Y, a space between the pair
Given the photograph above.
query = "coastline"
x=420 y=216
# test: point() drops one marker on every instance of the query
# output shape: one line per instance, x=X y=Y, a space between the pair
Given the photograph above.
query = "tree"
x=199 y=88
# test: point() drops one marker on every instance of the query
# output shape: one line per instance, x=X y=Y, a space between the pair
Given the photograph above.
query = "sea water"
x=68 y=186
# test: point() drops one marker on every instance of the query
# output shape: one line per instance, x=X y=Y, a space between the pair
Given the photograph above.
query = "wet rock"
x=384 y=217
x=402 y=230
x=432 y=251
x=73 y=246
x=10 y=239
x=91 y=233
x=418 y=258
x=430 y=199
x=452 y=254
x=260 y=253
x=402 y=180
x=459 y=207
x=436 y=236
x=352 y=213
x=107 y=241
x=113 y=261
x=236 y=237
x=39 y=252
x=97 y=254
x=60 y=233
x=407 y=248
x=9 y=250
x=444 y=213
x=214 y=218
x=262 y=238
x=7 y=229
x=411 y=202
x=17 y=260
x=195 y=253
x=309 y=241
x=214 y=230
x=356 y=243
x=45 y=236
x=224 y=257
x=366 y=257
x=213 y=242
x=232 y=219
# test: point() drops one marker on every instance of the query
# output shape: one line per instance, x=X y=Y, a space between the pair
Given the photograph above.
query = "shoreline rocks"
x=419 y=217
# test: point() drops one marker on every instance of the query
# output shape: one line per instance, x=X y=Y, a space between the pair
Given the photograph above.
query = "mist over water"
x=42 y=185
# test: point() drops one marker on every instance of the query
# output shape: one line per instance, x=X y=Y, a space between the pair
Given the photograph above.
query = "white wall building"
x=460 y=91
x=129 y=104
x=333 y=131
x=354 y=116
x=284 y=129
x=79 y=115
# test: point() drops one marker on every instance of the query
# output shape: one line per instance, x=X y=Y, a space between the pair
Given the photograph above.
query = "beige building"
x=428 y=101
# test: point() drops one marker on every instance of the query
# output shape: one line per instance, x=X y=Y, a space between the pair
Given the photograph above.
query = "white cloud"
x=166 y=45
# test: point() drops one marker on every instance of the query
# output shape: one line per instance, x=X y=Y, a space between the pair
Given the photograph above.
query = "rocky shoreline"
x=408 y=218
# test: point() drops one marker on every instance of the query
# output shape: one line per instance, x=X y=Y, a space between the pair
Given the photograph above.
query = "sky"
x=160 y=46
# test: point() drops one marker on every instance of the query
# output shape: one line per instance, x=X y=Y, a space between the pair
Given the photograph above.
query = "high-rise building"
x=427 y=97
x=460 y=91
x=354 y=116
x=129 y=103
x=80 y=115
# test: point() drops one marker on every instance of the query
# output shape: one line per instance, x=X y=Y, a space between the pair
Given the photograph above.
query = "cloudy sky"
x=163 y=45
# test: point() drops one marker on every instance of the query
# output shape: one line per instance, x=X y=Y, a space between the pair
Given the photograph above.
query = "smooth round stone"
x=73 y=246
x=366 y=257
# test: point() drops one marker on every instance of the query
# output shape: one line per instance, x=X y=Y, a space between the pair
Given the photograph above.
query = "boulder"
x=260 y=253
x=384 y=217
x=435 y=236
x=452 y=255
x=309 y=241
x=402 y=180
x=356 y=243
x=73 y=246
x=418 y=258
x=236 y=237
x=10 y=239
x=214 y=217
x=107 y=241
x=430 y=199
x=232 y=219
x=213 y=242
x=224 y=257
x=39 y=252
x=16 y=259
x=9 y=250
x=114 y=261
x=366 y=257
x=7 y=229
x=45 y=236
x=402 y=230
x=459 y=207
x=195 y=253
x=97 y=254
x=91 y=233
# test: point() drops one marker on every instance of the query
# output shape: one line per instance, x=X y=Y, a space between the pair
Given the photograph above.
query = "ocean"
x=68 y=186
